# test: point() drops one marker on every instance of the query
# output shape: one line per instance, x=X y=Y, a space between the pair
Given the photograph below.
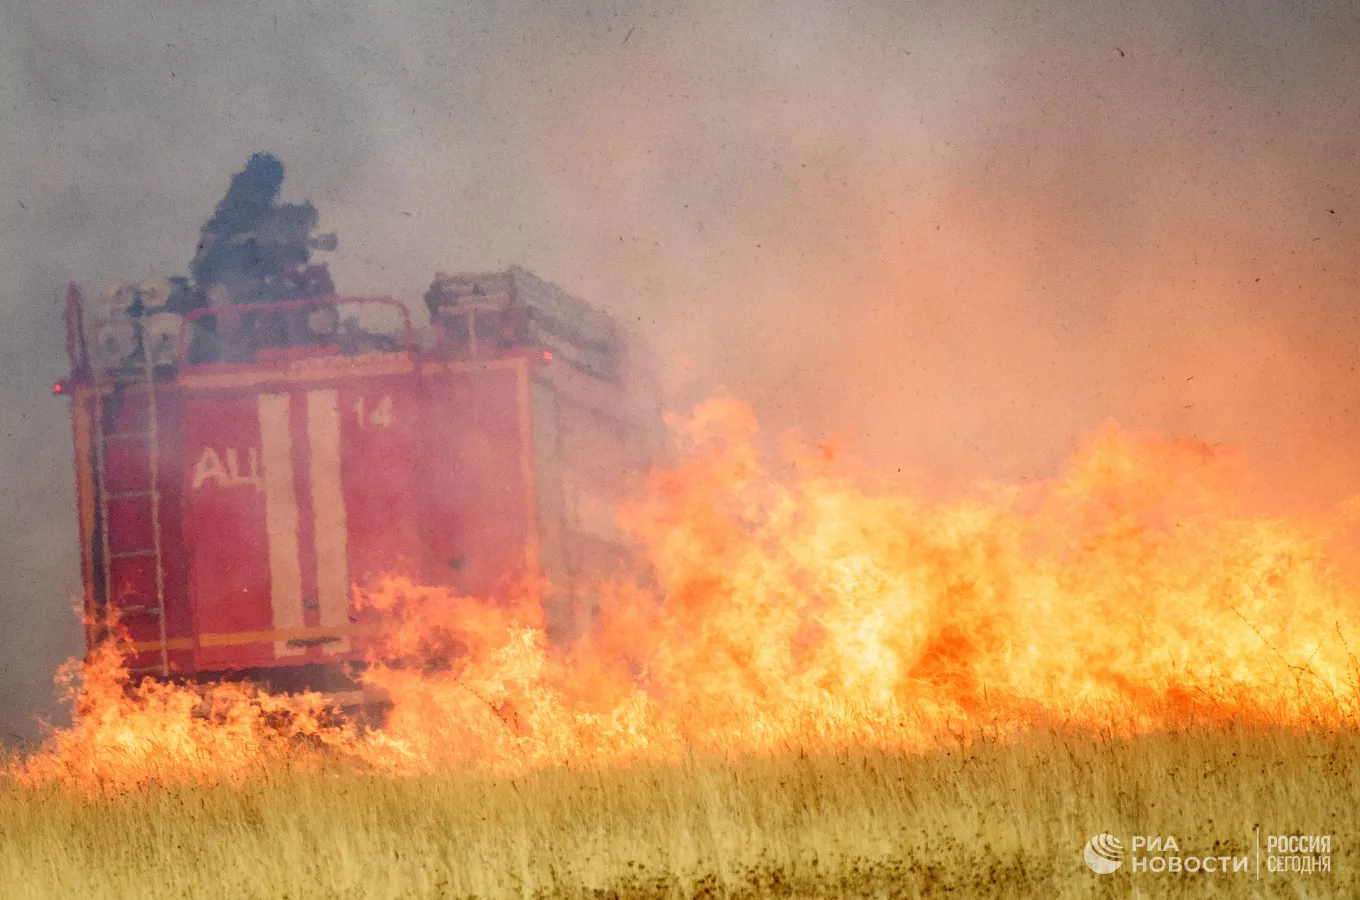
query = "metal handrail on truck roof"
x=182 y=350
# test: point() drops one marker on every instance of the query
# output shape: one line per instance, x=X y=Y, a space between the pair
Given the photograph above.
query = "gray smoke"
x=958 y=234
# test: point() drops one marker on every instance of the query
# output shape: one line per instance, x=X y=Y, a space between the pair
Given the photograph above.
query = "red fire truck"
x=240 y=468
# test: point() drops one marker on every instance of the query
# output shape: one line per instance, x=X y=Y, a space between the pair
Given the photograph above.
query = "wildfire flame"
x=792 y=605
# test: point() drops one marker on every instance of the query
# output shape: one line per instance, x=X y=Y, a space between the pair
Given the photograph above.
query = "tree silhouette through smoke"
x=257 y=250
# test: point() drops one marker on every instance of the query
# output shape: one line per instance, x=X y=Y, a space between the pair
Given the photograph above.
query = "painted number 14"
x=379 y=414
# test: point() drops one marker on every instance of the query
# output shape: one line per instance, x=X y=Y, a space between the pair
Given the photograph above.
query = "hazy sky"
x=958 y=235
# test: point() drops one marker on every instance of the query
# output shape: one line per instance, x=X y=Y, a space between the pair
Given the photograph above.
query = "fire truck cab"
x=239 y=469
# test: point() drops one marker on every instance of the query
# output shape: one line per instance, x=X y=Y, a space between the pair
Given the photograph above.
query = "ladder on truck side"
x=143 y=373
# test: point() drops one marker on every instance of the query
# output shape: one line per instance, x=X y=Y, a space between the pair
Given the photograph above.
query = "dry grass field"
x=985 y=820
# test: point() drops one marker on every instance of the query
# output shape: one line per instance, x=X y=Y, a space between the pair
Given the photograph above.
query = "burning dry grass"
x=794 y=605
x=979 y=819
x=828 y=686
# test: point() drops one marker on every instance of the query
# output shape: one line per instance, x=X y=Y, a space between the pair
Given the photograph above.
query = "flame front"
x=791 y=606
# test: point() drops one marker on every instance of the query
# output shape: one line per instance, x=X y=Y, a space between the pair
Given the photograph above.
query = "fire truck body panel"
x=477 y=499
x=298 y=484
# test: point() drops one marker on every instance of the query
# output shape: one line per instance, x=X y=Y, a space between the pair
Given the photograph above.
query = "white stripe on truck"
x=328 y=511
x=281 y=518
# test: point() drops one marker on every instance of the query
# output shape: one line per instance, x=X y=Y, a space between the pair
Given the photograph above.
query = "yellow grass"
x=985 y=820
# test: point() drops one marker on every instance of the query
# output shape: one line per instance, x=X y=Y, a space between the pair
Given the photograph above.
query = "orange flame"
x=798 y=606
